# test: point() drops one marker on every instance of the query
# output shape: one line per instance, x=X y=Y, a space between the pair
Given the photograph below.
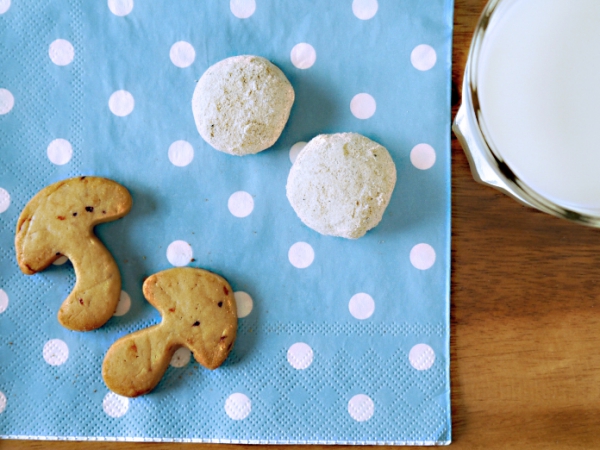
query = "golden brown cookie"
x=59 y=220
x=199 y=312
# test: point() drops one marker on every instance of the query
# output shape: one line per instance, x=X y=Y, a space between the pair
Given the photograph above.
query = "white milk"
x=539 y=89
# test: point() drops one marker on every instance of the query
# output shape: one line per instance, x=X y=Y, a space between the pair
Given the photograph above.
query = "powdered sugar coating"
x=341 y=184
x=241 y=104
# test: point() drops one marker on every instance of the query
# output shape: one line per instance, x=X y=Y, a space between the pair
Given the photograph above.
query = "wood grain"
x=525 y=312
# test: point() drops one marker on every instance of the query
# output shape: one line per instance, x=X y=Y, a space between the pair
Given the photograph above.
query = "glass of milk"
x=530 y=115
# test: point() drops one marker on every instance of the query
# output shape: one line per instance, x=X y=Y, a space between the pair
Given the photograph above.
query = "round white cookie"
x=241 y=104
x=341 y=184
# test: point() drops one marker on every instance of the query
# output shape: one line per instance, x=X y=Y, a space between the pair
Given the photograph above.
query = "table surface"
x=525 y=359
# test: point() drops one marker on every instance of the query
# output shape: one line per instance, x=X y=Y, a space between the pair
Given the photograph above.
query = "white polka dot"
x=295 y=150
x=121 y=103
x=365 y=9
x=179 y=253
x=61 y=52
x=2 y=402
x=244 y=303
x=7 y=101
x=4 y=5
x=301 y=255
x=182 y=54
x=123 y=305
x=422 y=256
x=115 y=405
x=240 y=204
x=423 y=57
x=60 y=151
x=3 y=301
x=4 y=200
x=361 y=407
x=300 y=355
x=60 y=261
x=361 y=306
x=363 y=106
x=421 y=357
x=181 y=153
x=422 y=156
x=242 y=9
x=56 y=352
x=238 y=406
x=181 y=357
x=120 y=7
x=303 y=55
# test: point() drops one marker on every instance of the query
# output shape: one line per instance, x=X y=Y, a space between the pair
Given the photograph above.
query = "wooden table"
x=525 y=340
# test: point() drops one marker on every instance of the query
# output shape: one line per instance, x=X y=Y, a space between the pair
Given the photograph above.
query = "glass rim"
x=470 y=110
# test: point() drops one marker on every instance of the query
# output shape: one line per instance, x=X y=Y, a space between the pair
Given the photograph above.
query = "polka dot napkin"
x=339 y=341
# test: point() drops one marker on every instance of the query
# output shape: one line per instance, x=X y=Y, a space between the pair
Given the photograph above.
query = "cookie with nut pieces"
x=199 y=312
x=59 y=220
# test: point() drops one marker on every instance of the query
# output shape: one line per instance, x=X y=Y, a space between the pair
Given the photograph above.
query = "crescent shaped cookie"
x=199 y=312
x=59 y=220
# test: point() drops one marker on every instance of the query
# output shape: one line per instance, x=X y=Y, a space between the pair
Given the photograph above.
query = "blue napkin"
x=339 y=341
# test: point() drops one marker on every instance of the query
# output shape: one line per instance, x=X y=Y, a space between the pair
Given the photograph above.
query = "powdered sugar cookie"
x=241 y=104
x=341 y=184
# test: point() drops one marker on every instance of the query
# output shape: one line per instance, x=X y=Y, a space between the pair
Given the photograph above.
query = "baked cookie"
x=241 y=104
x=59 y=220
x=199 y=312
x=341 y=184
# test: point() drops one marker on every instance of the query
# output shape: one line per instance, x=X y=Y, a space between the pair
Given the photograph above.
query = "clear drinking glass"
x=487 y=164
